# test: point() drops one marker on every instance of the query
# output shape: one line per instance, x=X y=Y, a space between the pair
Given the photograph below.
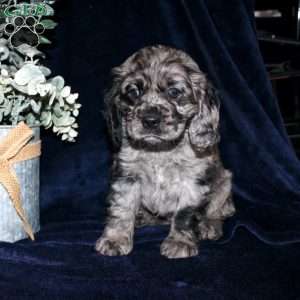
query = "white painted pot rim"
x=13 y=126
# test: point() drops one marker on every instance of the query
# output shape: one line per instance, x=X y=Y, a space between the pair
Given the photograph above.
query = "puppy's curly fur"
x=163 y=116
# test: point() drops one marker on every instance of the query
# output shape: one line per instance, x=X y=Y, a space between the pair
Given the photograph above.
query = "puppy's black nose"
x=151 y=118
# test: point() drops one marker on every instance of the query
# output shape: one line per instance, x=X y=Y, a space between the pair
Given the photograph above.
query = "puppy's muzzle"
x=151 y=118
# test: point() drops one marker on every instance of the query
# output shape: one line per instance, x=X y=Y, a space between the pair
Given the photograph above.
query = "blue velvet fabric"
x=259 y=256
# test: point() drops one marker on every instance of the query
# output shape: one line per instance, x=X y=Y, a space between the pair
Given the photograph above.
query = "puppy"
x=163 y=116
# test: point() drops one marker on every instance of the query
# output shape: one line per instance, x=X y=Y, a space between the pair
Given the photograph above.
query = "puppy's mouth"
x=152 y=138
x=154 y=142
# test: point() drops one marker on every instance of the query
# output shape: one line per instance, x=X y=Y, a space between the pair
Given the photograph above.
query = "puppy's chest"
x=168 y=183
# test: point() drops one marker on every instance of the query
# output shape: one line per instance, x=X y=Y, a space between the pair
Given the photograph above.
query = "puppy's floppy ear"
x=113 y=111
x=204 y=127
x=113 y=114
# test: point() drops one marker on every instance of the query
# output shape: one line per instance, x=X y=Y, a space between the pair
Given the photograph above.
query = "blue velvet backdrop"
x=93 y=36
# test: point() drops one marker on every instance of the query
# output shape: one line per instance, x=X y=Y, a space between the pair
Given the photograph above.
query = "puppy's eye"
x=133 y=92
x=174 y=92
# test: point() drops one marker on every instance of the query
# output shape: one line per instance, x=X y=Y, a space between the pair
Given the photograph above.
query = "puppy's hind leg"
x=209 y=229
x=219 y=207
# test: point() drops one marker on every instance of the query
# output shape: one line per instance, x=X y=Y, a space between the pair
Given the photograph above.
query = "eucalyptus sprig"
x=28 y=92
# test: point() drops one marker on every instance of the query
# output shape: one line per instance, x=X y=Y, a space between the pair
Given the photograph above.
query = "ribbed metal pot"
x=27 y=172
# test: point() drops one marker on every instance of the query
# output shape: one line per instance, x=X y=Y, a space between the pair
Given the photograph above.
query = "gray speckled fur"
x=170 y=175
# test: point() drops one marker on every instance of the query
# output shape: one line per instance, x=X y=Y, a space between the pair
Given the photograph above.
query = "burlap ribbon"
x=15 y=147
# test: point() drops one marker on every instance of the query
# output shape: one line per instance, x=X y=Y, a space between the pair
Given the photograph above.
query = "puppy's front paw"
x=113 y=246
x=172 y=248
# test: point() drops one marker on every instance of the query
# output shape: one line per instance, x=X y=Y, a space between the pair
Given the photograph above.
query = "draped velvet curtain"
x=94 y=36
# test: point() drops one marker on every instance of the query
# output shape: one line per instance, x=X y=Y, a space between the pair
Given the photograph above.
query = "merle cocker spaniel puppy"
x=163 y=116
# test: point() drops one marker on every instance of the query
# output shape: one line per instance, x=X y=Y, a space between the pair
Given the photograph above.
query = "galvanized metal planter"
x=27 y=172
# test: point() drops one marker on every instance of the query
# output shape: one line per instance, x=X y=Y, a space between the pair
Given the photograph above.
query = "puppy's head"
x=155 y=94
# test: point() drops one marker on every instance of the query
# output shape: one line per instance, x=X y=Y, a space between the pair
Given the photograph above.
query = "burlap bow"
x=14 y=148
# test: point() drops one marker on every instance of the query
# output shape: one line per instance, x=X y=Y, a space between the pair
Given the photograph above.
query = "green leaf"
x=49 y=10
x=57 y=110
x=46 y=119
x=48 y=24
x=44 y=40
x=36 y=107
x=64 y=120
x=2 y=97
x=73 y=133
x=58 y=81
x=75 y=112
x=64 y=137
x=45 y=71
x=7 y=107
x=64 y=129
x=30 y=119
